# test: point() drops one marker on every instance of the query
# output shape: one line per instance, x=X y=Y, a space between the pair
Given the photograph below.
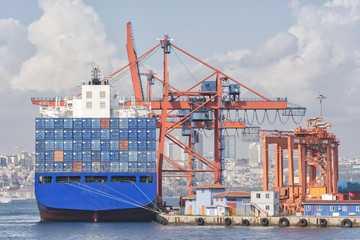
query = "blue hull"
x=96 y=201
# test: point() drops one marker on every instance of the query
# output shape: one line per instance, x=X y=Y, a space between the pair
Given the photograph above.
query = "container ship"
x=95 y=157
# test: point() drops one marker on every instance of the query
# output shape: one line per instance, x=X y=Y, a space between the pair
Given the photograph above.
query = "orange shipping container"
x=124 y=144
x=58 y=156
x=77 y=166
x=105 y=122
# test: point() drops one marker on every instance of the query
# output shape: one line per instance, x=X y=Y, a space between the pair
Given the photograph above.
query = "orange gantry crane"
x=192 y=109
x=317 y=156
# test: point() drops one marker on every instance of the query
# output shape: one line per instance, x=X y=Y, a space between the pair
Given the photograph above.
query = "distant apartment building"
x=254 y=154
x=229 y=146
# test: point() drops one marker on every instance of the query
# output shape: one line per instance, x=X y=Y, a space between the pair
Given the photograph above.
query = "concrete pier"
x=284 y=221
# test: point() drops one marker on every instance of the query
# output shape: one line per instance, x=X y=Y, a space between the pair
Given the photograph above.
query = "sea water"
x=20 y=220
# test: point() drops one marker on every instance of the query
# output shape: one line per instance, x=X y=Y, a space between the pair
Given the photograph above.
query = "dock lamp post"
x=321 y=97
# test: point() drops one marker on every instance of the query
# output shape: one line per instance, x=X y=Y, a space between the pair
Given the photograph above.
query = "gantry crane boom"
x=134 y=67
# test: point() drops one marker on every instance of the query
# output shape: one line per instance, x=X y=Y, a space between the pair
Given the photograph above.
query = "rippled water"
x=20 y=220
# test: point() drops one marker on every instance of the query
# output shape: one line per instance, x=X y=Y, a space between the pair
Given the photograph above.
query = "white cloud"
x=69 y=40
x=319 y=53
x=14 y=48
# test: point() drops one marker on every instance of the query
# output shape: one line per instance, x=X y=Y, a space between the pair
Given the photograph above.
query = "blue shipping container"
x=123 y=133
x=49 y=166
x=114 y=144
x=68 y=145
x=95 y=167
x=95 y=156
x=77 y=156
x=40 y=134
x=123 y=123
x=151 y=134
x=68 y=123
x=105 y=144
x=59 y=123
x=77 y=123
x=95 y=122
x=105 y=156
x=151 y=156
x=86 y=145
x=39 y=166
x=141 y=166
x=124 y=156
x=114 y=134
x=132 y=134
x=49 y=123
x=49 y=156
x=105 y=133
x=49 y=134
x=95 y=144
x=114 y=167
x=86 y=156
x=59 y=145
x=86 y=134
x=133 y=144
x=151 y=166
x=68 y=133
x=142 y=156
x=124 y=166
x=133 y=166
x=114 y=155
x=133 y=156
x=59 y=134
x=40 y=156
x=86 y=166
x=49 y=145
x=141 y=122
x=142 y=145
x=77 y=134
x=114 y=123
x=86 y=123
x=141 y=133
x=150 y=122
x=68 y=156
x=151 y=145
x=132 y=122
x=40 y=123
x=105 y=167
x=77 y=145
x=68 y=166
x=40 y=145
x=95 y=133
x=58 y=166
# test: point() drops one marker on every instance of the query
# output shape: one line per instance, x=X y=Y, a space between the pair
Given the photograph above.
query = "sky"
x=293 y=49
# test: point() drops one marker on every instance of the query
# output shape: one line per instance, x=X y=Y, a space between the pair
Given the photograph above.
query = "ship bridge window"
x=96 y=179
x=146 y=179
x=88 y=105
x=123 y=179
x=102 y=105
x=45 y=179
x=102 y=94
x=65 y=179
x=88 y=94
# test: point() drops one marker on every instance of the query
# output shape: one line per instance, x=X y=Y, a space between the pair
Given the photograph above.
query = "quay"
x=283 y=221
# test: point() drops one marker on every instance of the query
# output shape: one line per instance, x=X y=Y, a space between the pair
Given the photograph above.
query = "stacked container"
x=95 y=144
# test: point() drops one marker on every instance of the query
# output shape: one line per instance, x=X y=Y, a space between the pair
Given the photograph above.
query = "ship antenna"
x=95 y=73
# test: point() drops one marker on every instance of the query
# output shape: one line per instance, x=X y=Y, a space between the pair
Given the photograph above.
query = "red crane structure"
x=192 y=109
x=316 y=150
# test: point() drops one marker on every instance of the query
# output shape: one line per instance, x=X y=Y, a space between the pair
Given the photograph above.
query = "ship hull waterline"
x=48 y=214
